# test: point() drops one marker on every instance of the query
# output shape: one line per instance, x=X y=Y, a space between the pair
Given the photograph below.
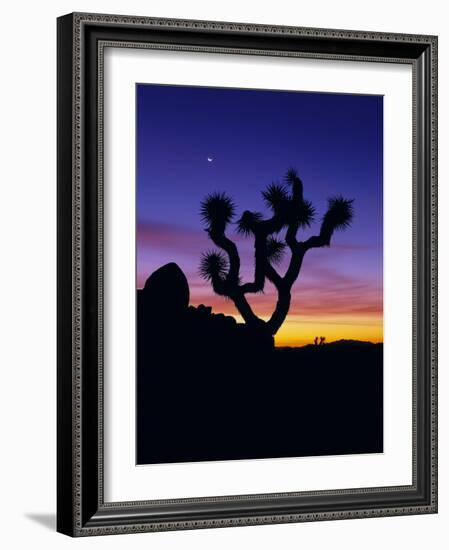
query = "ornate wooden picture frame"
x=82 y=509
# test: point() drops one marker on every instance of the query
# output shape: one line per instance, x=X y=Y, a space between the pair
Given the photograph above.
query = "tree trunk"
x=241 y=303
x=280 y=312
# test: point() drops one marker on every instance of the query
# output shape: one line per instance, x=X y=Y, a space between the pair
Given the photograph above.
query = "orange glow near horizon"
x=301 y=329
x=334 y=297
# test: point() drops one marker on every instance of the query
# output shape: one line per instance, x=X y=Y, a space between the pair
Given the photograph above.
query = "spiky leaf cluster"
x=339 y=214
x=217 y=210
x=213 y=265
x=247 y=224
x=295 y=183
x=304 y=213
x=292 y=176
x=275 y=250
x=276 y=197
x=289 y=208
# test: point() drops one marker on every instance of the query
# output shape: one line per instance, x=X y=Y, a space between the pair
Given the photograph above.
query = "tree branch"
x=260 y=247
x=230 y=287
x=317 y=241
x=284 y=284
x=219 y=238
x=273 y=276
x=261 y=230
x=245 y=309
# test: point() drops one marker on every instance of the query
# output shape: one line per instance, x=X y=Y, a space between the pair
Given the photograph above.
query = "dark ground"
x=210 y=389
x=213 y=403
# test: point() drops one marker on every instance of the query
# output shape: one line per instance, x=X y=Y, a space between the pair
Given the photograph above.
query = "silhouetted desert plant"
x=290 y=212
x=319 y=340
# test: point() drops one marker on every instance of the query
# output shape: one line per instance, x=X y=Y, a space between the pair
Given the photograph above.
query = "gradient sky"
x=335 y=141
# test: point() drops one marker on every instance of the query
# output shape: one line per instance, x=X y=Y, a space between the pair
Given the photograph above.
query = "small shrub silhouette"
x=290 y=213
x=319 y=340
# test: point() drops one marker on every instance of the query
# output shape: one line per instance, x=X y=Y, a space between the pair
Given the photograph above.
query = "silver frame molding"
x=81 y=42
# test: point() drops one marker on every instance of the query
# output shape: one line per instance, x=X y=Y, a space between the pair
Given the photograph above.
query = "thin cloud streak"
x=320 y=287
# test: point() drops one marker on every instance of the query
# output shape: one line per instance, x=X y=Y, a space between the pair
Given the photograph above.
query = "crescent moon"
x=210 y=159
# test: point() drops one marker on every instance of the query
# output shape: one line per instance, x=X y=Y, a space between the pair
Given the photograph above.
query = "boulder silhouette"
x=200 y=373
x=166 y=291
x=164 y=311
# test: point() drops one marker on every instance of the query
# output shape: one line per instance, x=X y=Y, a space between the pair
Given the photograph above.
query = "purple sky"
x=335 y=141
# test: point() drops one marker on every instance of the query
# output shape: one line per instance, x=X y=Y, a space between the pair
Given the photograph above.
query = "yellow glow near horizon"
x=299 y=333
x=302 y=330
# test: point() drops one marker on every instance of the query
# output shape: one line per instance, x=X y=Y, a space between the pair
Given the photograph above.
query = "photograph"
x=259 y=273
x=246 y=282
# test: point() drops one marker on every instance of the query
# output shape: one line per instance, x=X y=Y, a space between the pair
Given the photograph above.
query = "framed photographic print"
x=247 y=284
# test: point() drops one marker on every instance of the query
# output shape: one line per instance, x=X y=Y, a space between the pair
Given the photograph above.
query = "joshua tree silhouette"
x=290 y=212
